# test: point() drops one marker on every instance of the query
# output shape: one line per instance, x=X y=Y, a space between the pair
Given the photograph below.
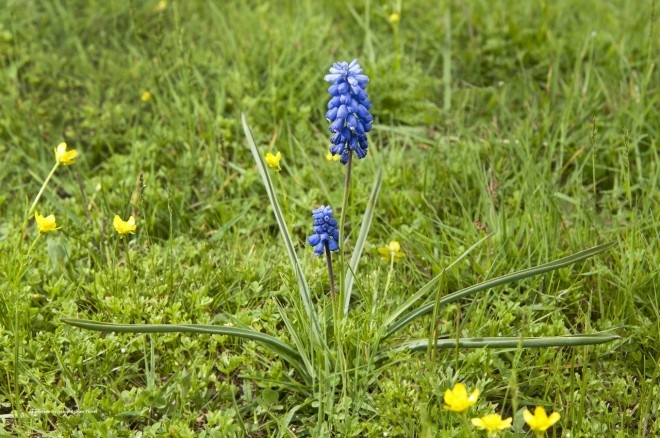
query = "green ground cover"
x=509 y=134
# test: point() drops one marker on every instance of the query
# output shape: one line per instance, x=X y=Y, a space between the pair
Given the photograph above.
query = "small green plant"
x=45 y=224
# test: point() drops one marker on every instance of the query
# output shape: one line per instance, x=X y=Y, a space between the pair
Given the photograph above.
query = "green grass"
x=549 y=147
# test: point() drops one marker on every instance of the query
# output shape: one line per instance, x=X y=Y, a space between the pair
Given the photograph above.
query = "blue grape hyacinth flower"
x=348 y=110
x=325 y=231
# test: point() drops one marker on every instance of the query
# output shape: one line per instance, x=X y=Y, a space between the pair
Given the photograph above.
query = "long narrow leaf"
x=272 y=343
x=515 y=276
x=303 y=288
x=428 y=286
x=361 y=240
x=297 y=342
x=507 y=342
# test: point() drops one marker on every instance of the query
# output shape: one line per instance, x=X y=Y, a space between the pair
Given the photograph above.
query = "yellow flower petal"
x=145 y=96
x=161 y=6
x=539 y=421
x=330 y=157
x=529 y=418
x=45 y=224
x=553 y=418
x=457 y=400
x=124 y=227
x=394 y=18
x=273 y=161
x=492 y=422
x=62 y=156
x=391 y=251
x=478 y=422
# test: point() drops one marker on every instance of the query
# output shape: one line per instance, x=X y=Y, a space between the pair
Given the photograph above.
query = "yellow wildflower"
x=330 y=157
x=391 y=251
x=457 y=400
x=161 y=6
x=492 y=423
x=62 y=156
x=45 y=224
x=274 y=161
x=540 y=422
x=394 y=18
x=124 y=227
x=145 y=96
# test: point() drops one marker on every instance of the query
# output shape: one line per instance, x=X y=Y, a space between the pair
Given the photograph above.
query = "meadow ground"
x=508 y=134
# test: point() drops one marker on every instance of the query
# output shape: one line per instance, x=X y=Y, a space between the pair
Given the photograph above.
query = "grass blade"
x=303 y=288
x=272 y=343
x=515 y=276
x=361 y=240
x=507 y=342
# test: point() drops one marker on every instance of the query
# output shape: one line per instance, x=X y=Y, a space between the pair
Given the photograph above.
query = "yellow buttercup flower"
x=394 y=18
x=457 y=400
x=492 y=423
x=62 y=156
x=45 y=224
x=540 y=422
x=161 y=6
x=330 y=157
x=274 y=161
x=124 y=227
x=145 y=96
x=393 y=252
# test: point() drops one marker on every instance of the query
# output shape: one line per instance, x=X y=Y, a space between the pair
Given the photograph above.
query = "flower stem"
x=17 y=367
x=43 y=187
x=33 y=244
x=347 y=190
x=397 y=47
x=446 y=62
x=342 y=223
x=331 y=274
x=128 y=255
x=36 y=199
x=389 y=274
x=465 y=425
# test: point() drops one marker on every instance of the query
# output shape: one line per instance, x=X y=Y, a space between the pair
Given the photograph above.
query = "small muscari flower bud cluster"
x=325 y=231
x=348 y=110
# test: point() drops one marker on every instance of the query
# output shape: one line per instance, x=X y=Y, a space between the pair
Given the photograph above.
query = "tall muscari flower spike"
x=348 y=110
x=325 y=231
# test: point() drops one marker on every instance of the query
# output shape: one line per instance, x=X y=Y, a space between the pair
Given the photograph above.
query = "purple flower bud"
x=325 y=231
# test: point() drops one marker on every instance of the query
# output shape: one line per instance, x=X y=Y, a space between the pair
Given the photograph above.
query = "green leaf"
x=361 y=240
x=272 y=343
x=284 y=422
x=506 y=342
x=509 y=278
x=269 y=396
x=303 y=288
